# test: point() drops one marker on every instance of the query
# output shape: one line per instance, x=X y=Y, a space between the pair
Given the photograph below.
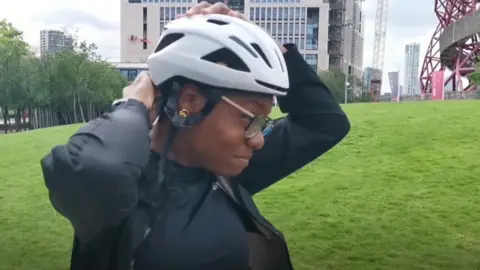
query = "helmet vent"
x=262 y=54
x=218 y=22
x=271 y=86
x=168 y=40
x=227 y=57
x=245 y=46
x=279 y=60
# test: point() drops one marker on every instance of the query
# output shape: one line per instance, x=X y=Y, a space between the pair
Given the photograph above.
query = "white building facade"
x=411 y=85
x=53 y=41
x=303 y=22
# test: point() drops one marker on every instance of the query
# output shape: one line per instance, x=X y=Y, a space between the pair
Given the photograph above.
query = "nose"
x=256 y=142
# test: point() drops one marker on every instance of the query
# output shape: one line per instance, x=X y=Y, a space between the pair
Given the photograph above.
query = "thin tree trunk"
x=80 y=106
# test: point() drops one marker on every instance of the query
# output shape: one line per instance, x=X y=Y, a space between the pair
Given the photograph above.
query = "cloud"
x=96 y=21
x=73 y=17
x=408 y=21
x=99 y=22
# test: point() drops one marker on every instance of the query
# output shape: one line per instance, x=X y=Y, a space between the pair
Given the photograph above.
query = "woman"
x=179 y=196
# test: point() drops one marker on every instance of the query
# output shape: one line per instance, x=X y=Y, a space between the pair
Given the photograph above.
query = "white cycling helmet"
x=186 y=44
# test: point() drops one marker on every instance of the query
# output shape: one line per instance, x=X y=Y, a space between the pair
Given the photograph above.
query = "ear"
x=191 y=99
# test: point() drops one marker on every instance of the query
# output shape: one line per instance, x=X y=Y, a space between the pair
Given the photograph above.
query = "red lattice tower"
x=459 y=56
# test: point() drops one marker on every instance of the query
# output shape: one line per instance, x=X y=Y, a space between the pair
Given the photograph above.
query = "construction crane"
x=381 y=18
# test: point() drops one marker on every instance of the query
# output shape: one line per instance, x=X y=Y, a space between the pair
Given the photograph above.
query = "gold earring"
x=183 y=113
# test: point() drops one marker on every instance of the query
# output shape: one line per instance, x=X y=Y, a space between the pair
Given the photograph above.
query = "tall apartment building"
x=53 y=41
x=368 y=74
x=346 y=36
x=411 y=85
x=303 y=22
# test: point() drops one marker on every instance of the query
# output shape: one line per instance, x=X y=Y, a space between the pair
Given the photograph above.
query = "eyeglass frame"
x=258 y=124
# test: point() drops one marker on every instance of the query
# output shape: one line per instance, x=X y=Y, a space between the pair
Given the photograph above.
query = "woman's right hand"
x=143 y=90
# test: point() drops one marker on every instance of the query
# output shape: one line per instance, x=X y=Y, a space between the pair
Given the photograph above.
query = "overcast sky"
x=98 y=21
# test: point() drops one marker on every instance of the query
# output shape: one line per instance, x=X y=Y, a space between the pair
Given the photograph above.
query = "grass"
x=401 y=192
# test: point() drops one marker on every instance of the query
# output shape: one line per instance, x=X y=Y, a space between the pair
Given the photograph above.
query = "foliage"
x=399 y=194
x=475 y=76
x=73 y=83
x=334 y=79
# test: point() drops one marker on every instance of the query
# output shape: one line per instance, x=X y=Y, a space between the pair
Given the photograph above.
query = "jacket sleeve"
x=92 y=179
x=314 y=124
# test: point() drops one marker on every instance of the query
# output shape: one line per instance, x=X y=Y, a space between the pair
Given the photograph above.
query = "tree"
x=71 y=86
x=334 y=79
x=475 y=76
x=13 y=53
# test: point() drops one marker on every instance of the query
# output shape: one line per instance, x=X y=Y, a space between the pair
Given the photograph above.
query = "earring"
x=183 y=113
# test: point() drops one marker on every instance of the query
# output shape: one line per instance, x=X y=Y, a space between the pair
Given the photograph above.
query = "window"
x=274 y=14
x=269 y=13
x=312 y=36
x=312 y=61
x=251 y=13
x=162 y=11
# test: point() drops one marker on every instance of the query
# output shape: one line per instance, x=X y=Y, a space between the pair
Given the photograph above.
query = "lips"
x=246 y=157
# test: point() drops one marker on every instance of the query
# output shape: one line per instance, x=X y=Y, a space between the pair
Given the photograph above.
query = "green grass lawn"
x=401 y=192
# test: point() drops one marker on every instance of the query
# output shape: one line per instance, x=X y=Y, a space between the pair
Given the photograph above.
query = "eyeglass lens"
x=258 y=125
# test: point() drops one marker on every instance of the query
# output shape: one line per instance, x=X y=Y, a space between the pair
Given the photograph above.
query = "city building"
x=369 y=75
x=303 y=22
x=53 y=41
x=411 y=82
x=346 y=36
x=393 y=78
x=130 y=70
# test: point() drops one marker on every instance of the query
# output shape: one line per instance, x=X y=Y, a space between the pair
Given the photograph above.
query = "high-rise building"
x=53 y=41
x=303 y=22
x=411 y=85
x=393 y=78
x=369 y=75
x=346 y=36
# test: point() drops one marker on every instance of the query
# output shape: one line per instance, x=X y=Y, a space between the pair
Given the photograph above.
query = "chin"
x=230 y=171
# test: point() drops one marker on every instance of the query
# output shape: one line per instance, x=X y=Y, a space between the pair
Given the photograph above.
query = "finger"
x=180 y=16
x=217 y=8
x=237 y=14
x=198 y=8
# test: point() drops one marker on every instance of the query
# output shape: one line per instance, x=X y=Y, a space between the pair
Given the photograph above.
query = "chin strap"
x=179 y=121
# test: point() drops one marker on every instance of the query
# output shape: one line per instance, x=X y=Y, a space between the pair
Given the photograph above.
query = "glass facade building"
x=302 y=22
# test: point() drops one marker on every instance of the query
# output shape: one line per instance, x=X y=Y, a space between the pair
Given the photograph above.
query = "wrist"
x=282 y=48
x=144 y=102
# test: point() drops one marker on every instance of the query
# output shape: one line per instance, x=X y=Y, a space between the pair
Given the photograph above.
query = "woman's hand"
x=143 y=90
x=218 y=8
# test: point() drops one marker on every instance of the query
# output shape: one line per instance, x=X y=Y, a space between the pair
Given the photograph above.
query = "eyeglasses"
x=258 y=124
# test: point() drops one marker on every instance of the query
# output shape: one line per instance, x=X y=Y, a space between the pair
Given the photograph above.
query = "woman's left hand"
x=218 y=8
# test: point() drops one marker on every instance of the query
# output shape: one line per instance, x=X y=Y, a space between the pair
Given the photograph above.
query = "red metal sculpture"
x=455 y=44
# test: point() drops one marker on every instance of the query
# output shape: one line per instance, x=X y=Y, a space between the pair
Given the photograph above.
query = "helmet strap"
x=192 y=119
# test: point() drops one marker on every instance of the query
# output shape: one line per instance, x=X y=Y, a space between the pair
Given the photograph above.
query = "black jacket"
x=101 y=182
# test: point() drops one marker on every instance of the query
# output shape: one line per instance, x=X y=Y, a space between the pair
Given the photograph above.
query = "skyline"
x=99 y=22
